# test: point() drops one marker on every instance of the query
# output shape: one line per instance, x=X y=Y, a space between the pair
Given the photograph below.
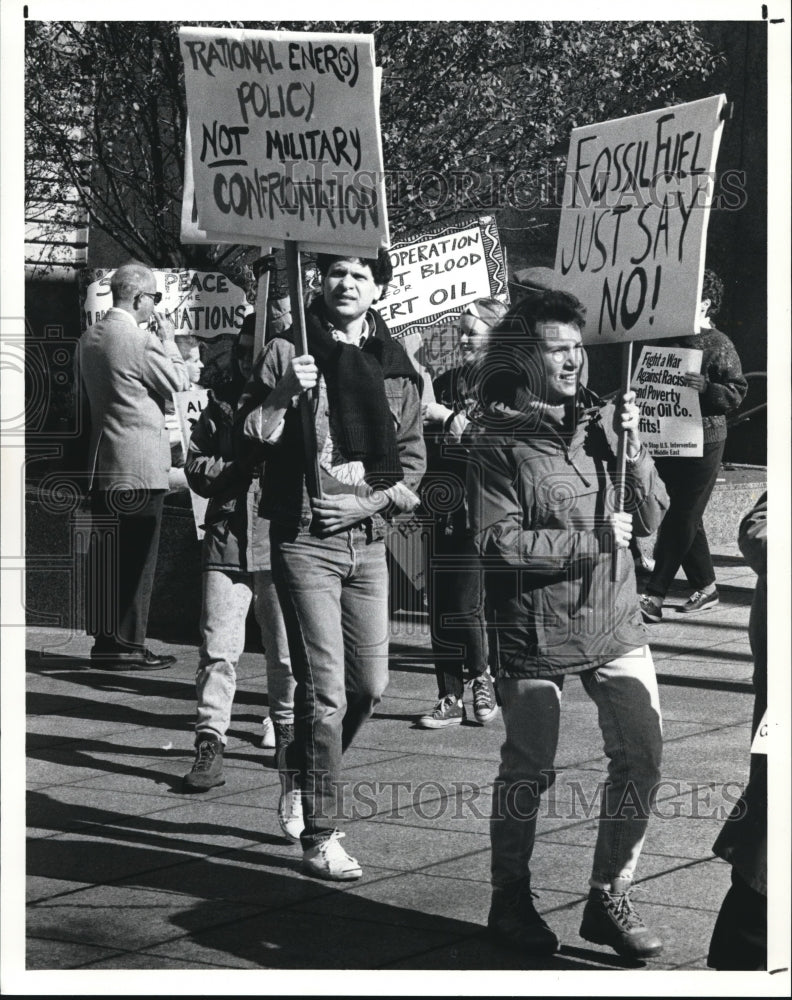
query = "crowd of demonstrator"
x=529 y=573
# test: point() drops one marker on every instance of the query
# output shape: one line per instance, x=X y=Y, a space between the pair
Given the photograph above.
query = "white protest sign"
x=435 y=275
x=761 y=738
x=633 y=229
x=189 y=405
x=670 y=423
x=284 y=140
x=203 y=303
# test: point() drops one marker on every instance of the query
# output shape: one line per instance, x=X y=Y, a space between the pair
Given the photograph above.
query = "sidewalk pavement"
x=124 y=871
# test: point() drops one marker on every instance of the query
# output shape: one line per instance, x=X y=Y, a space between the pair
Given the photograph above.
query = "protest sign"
x=189 y=405
x=435 y=275
x=203 y=303
x=284 y=140
x=632 y=235
x=670 y=423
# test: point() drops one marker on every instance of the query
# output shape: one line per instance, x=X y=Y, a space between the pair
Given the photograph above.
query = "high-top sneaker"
x=290 y=812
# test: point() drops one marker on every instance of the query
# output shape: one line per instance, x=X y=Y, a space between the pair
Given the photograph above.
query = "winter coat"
x=538 y=496
x=234 y=538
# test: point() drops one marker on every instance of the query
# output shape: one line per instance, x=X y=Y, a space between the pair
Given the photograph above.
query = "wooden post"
x=294 y=274
x=621 y=452
x=262 y=295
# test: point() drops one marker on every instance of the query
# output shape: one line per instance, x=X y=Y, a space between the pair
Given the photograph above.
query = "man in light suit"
x=127 y=374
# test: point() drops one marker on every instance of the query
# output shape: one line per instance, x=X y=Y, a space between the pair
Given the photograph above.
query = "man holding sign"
x=328 y=553
x=540 y=487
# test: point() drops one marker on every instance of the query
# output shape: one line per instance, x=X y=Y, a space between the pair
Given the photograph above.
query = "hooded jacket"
x=540 y=482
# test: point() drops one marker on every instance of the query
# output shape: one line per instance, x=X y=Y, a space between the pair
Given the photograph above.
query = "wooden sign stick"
x=262 y=294
x=294 y=274
x=621 y=452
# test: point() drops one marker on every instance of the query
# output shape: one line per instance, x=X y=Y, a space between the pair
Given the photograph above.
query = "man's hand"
x=165 y=329
x=332 y=514
x=402 y=497
x=625 y=420
x=456 y=427
x=695 y=381
x=618 y=527
x=301 y=375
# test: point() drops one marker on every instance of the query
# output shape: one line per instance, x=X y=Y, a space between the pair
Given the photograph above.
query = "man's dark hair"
x=712 y=289
x=381 y=266
x=544 y=307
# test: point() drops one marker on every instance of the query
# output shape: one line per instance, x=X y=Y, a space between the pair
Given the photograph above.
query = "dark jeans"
x=455 y=594
x=121 y=567
x=682 y=540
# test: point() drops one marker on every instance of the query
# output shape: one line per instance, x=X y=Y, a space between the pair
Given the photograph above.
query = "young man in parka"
x=540 y=485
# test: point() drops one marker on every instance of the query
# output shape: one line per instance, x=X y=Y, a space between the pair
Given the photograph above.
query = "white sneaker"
x=329 y=860
x=290 y=814
x=268 y=734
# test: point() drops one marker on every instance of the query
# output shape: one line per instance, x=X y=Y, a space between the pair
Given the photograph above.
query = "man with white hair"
x=127 y=373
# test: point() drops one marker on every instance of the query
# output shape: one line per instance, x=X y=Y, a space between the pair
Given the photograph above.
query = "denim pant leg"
x=531 y=714
x=365 y=622
x=226 y=599
x=625 y=693
x=309 y=574
x=280 y=682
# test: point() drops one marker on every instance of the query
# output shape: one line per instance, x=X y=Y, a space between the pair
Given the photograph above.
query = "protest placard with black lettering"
x=632 y=237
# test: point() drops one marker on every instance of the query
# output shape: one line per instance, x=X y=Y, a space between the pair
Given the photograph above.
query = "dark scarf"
x=355 y=378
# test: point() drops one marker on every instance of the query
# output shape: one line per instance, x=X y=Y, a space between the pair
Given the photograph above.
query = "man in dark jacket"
x=328 y=552
x=540 y=487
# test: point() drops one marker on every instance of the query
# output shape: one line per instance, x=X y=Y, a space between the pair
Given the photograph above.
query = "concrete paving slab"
x=51 y=953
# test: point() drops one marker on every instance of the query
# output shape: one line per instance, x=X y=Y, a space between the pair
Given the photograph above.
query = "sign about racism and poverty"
x=670 y=422
x=633 y=228
x=203 y=303
x=435 y=275
x=189 y=405
x=284 y=139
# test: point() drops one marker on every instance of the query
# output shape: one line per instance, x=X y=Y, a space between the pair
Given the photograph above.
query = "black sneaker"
x=513 y=921
x=207 y=771
x=611 y=919
x=699 y=601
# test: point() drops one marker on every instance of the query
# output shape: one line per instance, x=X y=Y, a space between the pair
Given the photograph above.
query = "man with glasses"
x=127 y=373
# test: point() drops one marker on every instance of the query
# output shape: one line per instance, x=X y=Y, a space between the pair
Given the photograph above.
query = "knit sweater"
x=726 y=384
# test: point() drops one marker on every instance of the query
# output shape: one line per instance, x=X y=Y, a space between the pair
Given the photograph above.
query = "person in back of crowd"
x=236 y=568
x=739 y=939
x=454 y=589
x=682 y=540
x=128 y=373
x=541 y=472
x=328 y=552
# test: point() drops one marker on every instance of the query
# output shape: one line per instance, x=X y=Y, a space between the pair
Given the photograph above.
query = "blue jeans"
x=626 y=696
x=334 y=596
x=226 y=599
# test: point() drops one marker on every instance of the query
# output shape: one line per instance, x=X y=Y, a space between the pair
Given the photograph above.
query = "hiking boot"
x=485 y=704
x=610 y=918
x=449 y=711
x=207 y=770
x=267 y=733
x=329 y=860
x=514 y=921
x=699 y=601
x=651 y=611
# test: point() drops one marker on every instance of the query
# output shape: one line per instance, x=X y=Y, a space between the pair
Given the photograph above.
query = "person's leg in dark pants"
x=681 y=540
x=122 y=567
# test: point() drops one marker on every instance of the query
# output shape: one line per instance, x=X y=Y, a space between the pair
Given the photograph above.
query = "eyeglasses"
x=156 y=296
